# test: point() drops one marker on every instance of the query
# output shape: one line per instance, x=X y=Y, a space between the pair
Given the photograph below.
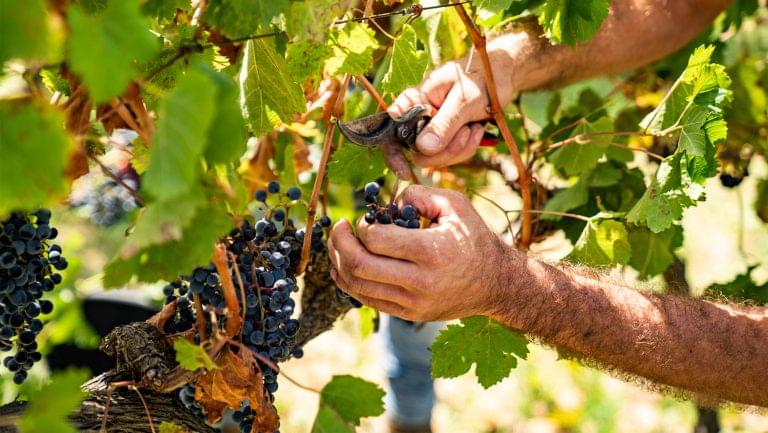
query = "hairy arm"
x=456 y=268
x=716 y=351
x=635 y=33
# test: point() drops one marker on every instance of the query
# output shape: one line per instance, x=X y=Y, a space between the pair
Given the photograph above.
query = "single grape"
x=260 y=195
x=273 y=187
x=372 y=189
x=293 y=193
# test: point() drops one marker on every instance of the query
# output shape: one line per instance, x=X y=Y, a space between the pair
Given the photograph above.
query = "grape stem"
x=234 y=321
x=372 y=91
x=497 y=111
x=116 y=179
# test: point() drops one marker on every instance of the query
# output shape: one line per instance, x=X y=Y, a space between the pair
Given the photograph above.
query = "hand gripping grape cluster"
x=28 y=266
x=407 y=217
x=265 y=256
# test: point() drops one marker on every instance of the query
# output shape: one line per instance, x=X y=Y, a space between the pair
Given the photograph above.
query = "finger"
x=461 y=148
x=439 y=83
x=392 y=241
x=395 y=160
x=444 y=126
x=351 y=258
x=432 y=203
x=358 y=287
x=379 y=304
x=407 y=99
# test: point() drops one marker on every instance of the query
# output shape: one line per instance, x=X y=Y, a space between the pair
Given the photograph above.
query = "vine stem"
x=116 y=179
x=327 y=148
x=299 y=384
x=610 y=143
x=372 y=91
x=479 y=43
x=234 y=321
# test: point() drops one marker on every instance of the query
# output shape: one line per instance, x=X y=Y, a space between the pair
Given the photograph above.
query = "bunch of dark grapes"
x=28 y=265
x=407 y=217
x=105 y=201
x=265 y=256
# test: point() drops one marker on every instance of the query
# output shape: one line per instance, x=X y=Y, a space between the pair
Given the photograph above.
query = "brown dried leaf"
x=258 y=172
x=238 y=378
x=300 y=154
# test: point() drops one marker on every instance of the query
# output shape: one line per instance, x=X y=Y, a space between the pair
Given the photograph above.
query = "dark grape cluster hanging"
x=265 y=256
x=28 y=268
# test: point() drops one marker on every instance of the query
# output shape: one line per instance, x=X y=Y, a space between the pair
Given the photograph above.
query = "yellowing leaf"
x=191 y=356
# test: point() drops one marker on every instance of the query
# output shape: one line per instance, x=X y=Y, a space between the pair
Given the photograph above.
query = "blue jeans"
x=407 y=361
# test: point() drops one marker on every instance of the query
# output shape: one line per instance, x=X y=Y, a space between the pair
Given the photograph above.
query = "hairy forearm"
x=635 y=33
x=714 y=351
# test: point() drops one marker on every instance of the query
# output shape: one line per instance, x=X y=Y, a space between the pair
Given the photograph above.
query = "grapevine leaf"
x=355 y=165
x=51 y=405
x=109 y=41
x=653 y=253
x=185 y=116
x=226 y=135
x=576 y=158
x=192 y=357
x=602 y=243
x=486 y=9
x=478 y=340
x=164 y=220
x=170 y=427
x=266 y=91
x=567 y=199
x=698 y=147
x=25 y=30
x=311 y=19
x=169 y=260
x=572 y=21
x=306 y=60
x=344 y=401
x=240 y=18
x=353 y=49
x=164 y=9
x=407 y=63
x=671 y=190
x=32 y=140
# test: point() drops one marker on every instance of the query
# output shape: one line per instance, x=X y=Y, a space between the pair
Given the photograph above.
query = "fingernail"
x=429 y=142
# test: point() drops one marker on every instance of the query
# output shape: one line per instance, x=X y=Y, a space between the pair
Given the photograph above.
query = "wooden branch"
x=372 y=91
x=107 y=172
x=327 y=147
x=497 y=111
x=234 y=320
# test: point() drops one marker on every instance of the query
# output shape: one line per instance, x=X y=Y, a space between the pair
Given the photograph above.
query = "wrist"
x=522 y=60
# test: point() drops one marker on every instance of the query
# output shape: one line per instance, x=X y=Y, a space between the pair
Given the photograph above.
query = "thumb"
x=440 y=130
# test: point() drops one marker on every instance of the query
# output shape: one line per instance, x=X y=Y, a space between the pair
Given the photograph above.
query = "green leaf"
x=35 y=149
x=572 y=21
x=110 y=41
x=169 y=260
x=192 y=357
x=344 y=401
x=567 y=199
x=407 y=63
x=240 y=18
x=653 y=253
x=354 y=165
x=164 y=221
x=26 y=30
x=671 y=190
x=602 y=243
x=226 y=135
x=266 y=91
x=353 y=49
x=170 y=427
x=699 y=148
x=51 y=405
x=478 y=340
x=576 y=158
x=164 y=9
x=486 y=9
x=368 y=320
x=306 y=60
x=185 y=116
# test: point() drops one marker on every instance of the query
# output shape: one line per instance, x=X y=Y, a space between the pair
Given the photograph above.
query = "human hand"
x=448 y=270
x=459 y=94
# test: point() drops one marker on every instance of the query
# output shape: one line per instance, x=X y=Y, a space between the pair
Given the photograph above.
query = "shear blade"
x=369 y=131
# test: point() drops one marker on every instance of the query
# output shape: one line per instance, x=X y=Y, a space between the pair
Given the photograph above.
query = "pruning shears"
x=381 y=129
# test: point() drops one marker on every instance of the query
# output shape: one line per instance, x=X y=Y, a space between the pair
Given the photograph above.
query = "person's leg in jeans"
x=407 y=362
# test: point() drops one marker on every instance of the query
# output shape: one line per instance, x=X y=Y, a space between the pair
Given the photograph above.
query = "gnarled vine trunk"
x=127 y=414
